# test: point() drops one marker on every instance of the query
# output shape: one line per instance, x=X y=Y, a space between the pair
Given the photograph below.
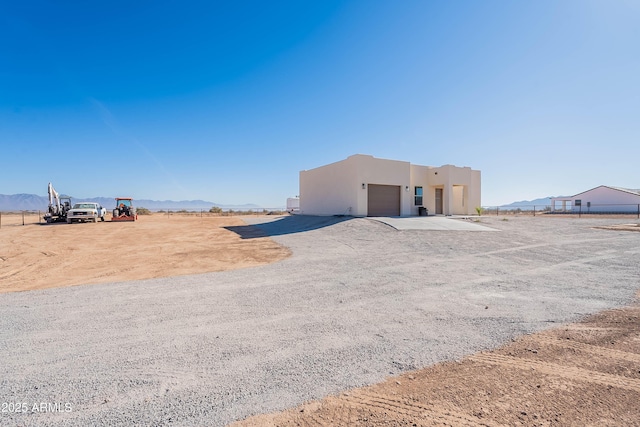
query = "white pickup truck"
x=86 y=211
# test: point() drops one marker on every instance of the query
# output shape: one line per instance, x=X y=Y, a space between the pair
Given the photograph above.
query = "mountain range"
x=33 y=202
x=526 y=205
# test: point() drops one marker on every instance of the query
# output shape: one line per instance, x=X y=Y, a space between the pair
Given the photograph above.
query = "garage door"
x=384 y=200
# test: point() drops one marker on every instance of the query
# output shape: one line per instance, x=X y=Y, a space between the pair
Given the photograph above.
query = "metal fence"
x=583 y=209
x=12 y=218
x=600 y=209
x=520 y=210
x=29 y=217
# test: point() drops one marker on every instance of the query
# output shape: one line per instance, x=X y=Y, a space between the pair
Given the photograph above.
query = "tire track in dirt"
x=416 y=411
x=580 y=327
x=547 y=385
x=315 y=422
x=568 y=372
x=346 y=413
x=351 y=409
x=591 y=349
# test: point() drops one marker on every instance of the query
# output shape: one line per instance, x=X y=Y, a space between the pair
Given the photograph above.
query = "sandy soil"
x=581 y=374
x=39 y=256
x=623 y=227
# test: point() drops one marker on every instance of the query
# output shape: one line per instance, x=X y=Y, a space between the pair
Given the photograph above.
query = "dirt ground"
x=623 y=227
x=39 y=256
x=584 y=374
x=581 y=374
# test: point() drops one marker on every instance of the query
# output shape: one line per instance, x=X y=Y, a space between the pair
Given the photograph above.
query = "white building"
x=293 y=204
x=598 y=200
x=363 y=185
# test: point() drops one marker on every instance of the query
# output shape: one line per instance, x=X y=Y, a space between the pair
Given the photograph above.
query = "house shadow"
x=259 y=227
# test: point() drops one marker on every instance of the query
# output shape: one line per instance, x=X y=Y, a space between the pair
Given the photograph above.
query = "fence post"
x=639 y=211
x=22 y=217
x=534 y=210
x=497 y=210
x=39 y=217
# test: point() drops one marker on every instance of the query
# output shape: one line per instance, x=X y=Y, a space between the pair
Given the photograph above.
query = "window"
x=418 y=196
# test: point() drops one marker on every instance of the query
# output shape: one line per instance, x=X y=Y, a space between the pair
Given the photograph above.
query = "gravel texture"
x=356 y=302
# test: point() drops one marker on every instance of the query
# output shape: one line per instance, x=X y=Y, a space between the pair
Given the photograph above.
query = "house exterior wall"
x=330 y=190
x=459 y=203
x=603 y=199
x=460 y=185
x=475 y=191
x=341 y=187
x=384 y=172
x=419 y=178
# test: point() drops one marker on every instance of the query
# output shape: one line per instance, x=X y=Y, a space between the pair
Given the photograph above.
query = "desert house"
x=362 y=185
x=602 y=199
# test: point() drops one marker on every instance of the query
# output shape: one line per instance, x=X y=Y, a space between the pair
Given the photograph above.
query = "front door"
x=438 y=201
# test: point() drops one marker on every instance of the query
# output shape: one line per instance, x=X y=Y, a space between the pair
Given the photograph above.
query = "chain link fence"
x=631 y=210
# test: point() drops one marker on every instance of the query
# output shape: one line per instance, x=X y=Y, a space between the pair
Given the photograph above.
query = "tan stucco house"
x=362 y=185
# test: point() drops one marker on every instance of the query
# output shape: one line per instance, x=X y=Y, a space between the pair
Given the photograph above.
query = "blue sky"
x=228 y=101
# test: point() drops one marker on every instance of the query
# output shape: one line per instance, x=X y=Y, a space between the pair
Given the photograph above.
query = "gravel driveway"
x=356 y=302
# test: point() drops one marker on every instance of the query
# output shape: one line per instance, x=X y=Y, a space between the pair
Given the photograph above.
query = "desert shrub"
x=479 y=210
x=143 y=211
x=216 y=210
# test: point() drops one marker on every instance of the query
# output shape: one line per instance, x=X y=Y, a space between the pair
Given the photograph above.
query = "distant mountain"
x=33 y=202
x=189 y=205
x=529 y=204
x=23 y=202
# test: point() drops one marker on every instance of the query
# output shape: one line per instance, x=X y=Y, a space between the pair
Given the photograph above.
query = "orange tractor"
x=124 y=211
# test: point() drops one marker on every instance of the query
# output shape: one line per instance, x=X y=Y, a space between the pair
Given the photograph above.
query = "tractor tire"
x=102 y=218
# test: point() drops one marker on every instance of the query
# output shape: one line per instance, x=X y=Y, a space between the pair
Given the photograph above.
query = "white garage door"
x=383 y=200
